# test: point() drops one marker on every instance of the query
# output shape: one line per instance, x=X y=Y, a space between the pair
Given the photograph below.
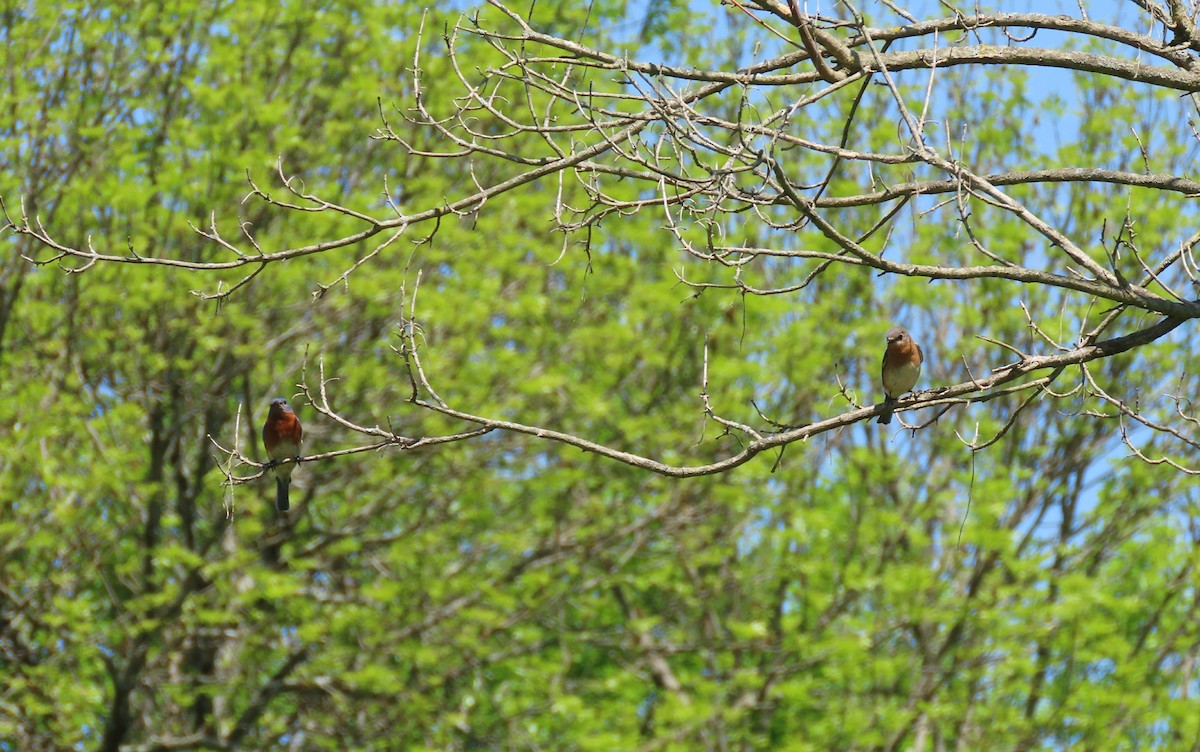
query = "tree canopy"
x=582 y=310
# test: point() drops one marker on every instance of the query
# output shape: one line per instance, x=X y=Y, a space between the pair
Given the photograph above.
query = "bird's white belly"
x=897 y=381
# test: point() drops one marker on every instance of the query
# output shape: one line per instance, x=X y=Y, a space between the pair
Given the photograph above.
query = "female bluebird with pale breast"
x=901 y=368
x=281 y=437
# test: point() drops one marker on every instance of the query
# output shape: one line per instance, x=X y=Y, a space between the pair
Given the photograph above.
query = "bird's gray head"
x=896 y=334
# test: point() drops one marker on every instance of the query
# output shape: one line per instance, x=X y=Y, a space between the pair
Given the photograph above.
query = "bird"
x=281 y=436
x=901 y=368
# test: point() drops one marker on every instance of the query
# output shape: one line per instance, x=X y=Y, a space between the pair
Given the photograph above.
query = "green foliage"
x=508 y=592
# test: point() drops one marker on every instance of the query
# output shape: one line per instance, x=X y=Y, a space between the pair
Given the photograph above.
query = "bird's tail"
x=281 y=493
x=885 y=417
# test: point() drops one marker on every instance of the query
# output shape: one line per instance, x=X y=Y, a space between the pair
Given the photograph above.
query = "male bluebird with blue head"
x=281 y=436
x=901 y=368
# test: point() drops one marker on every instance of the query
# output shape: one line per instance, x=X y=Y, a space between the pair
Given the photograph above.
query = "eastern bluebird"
x=901 y=367
x=281 y=437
